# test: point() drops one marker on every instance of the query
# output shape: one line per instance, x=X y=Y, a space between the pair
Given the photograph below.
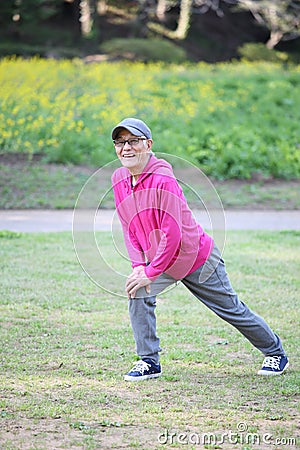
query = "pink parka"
x=160 y=231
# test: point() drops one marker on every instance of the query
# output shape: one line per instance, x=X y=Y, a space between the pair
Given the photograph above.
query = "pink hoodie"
x=159 y=229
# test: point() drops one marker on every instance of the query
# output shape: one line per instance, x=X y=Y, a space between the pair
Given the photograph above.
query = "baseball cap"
x=135 y=126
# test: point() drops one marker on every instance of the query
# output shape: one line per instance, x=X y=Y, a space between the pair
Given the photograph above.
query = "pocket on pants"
x=210 y=266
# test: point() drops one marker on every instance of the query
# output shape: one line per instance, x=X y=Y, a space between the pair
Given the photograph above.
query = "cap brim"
x=132 y=130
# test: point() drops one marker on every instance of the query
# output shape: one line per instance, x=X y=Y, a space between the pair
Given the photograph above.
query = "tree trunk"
x=86 y=18
x=274 y=39
x=184 y=19
x=161 y=10
x=101 y=7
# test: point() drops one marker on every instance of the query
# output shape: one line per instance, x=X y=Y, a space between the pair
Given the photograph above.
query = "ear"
x=149 y=143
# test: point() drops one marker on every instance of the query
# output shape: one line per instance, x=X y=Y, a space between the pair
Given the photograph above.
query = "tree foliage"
x=281 y=17
x=29 y=11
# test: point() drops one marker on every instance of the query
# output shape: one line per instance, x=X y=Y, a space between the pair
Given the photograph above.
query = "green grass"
x=65 y=345
x=36 y=185
x=28 y=185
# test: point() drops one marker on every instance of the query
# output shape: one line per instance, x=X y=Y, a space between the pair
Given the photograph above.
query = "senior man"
x=165 y=245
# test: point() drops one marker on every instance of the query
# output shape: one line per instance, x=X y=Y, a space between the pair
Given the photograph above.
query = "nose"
x=127 y=144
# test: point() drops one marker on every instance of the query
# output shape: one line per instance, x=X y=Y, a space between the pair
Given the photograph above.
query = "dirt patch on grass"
x=58 y=434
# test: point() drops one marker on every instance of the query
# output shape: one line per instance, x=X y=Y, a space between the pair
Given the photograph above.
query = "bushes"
x=145 y=50
x=259 y=52
x=233 y=120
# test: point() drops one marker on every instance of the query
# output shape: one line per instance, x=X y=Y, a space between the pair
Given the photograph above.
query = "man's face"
x=133 y=155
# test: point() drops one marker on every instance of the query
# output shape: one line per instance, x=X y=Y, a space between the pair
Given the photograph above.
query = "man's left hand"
x=136 y=280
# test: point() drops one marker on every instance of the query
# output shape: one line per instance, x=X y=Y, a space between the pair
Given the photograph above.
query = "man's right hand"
x=136 y=280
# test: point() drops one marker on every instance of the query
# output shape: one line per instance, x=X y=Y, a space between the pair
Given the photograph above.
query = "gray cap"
x=135 y=126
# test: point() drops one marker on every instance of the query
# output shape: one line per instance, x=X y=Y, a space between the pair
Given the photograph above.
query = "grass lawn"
x=33 y=184
x=65 y=345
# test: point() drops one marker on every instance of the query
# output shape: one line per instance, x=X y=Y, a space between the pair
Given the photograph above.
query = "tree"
x=87 y=13
x=281 y=17
x=161 y=10
x=101 y=7
x=28 y=11
x=184 y=19
x=186 y=9
x=183 y=23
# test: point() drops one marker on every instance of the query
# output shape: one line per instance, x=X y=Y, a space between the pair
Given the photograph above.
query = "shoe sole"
x=142 y=377
x=271 y=372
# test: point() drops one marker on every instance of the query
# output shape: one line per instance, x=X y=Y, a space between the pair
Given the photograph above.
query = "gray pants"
x=211 y=285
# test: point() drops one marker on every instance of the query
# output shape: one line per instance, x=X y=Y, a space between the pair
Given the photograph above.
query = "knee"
x=141 y=303
x=151 y=301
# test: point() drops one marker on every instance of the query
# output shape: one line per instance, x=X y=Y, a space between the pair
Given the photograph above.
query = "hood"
x=154 y=166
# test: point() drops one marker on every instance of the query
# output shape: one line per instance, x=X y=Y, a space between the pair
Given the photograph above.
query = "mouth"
x=128 y=156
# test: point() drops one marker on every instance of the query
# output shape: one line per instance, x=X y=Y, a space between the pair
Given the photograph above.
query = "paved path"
x=61 y=220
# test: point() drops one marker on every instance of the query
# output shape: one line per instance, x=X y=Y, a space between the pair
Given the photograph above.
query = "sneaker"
x=274 y=365
x=143 y=370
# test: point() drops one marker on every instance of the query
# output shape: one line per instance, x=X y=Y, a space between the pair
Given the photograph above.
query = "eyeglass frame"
x=121 y=143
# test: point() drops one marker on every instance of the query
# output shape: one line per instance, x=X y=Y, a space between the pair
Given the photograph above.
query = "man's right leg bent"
x=143 y=323
x=143 y=319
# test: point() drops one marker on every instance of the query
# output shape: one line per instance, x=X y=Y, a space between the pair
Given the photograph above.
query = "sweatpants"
x=210 y=284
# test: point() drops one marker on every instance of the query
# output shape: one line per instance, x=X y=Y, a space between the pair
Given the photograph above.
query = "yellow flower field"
x=232 y=119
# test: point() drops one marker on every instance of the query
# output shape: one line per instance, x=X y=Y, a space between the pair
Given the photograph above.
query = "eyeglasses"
x=131 y=142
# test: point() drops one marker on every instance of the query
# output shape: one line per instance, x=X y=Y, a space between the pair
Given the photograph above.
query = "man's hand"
x=136 y=280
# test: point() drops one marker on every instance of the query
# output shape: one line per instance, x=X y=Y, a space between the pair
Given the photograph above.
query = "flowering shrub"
x=231 y=119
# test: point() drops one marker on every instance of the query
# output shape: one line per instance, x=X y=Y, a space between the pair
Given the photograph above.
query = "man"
x=165 y=244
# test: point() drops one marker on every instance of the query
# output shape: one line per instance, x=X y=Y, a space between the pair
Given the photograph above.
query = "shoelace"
x=272 y=362
x=140 y=366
